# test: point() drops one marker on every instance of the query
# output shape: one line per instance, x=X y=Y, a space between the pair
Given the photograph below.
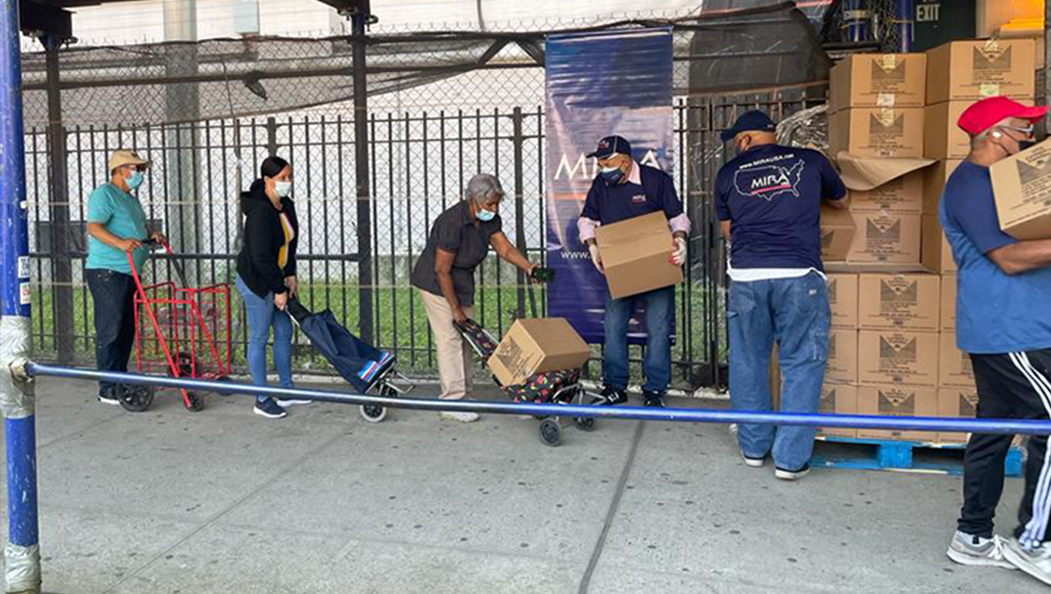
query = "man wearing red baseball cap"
x=1003 y=288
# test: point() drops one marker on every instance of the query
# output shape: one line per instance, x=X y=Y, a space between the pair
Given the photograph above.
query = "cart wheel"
x=550 y=433
x=135 y=398
x=194 y=402
x=585 y=423
x=226 y=380
x=372 y=413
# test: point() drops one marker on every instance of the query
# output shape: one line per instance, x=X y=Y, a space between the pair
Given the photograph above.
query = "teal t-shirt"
x=122 y=215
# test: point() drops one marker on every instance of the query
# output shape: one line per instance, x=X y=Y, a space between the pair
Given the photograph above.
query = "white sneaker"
x=968 y=549
x=1036 y=562
x=463 y=417
x=285 y=403
x=791 y=475
x=753 y=462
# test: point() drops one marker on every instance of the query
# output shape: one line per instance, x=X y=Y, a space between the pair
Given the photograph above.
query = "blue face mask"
x=484 y=215
x=611 y=175
x=135 y=180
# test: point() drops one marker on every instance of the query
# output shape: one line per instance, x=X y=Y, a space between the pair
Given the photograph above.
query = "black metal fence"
x=420 y=163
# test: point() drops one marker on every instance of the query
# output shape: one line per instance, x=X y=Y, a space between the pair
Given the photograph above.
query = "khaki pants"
x=455 y=357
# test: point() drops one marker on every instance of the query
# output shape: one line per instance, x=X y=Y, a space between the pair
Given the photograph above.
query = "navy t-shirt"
x=609 y=204
x=772 y=195
x=995 y=312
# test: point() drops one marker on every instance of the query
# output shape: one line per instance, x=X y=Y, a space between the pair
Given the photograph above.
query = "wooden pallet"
x=897 y=456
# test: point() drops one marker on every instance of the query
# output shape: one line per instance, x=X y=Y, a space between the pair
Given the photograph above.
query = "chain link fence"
x=436 y=117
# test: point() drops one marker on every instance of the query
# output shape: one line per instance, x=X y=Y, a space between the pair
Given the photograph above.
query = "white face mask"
x=282 y=188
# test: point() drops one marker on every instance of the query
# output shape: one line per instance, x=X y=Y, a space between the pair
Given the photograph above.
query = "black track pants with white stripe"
x=1010 y=386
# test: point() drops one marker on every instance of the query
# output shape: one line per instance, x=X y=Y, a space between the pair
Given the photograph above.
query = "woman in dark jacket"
x=266 y=276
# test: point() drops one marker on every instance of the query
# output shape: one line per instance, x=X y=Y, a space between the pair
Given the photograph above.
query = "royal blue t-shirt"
x=995 y=313
x=772 y=194
x=609 y=204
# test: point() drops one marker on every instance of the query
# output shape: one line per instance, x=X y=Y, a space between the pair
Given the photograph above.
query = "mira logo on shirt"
x=768 y=181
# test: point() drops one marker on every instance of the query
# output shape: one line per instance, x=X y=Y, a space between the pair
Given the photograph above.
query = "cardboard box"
x=936 y=255
x=954 y=367
x=842 y=365
x=948 y=307
x=899 y=302
x=878 y=80
x=536 y=345
x=903 y=195
x=1022 y=188
x=957 y=402
x=877 y=132
x=890 y=357
x=943 y=139
x=837 y=233
x=635 y=255
x=934 y=178
x=897 y=401
x=843 y=300
x=878 y=185
x=838 y=399
x=973 y=70
x=885 y=238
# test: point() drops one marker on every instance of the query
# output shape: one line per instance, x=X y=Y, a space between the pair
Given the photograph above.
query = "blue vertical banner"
x=615 y=82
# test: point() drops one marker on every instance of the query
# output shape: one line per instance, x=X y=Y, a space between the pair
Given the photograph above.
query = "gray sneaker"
x=1036 y=562
x=968 y=549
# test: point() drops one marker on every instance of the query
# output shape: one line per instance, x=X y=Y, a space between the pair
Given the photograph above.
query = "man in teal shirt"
x=116 y=226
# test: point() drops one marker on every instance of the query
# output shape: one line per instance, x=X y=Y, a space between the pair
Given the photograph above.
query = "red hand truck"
x=179 y=330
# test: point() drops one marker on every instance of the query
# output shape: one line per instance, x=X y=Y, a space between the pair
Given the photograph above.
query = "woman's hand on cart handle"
x=459 y=316
x=127 y=245
x=281 y=300
x=159 y=237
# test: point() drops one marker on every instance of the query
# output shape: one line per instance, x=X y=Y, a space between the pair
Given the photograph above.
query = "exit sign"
x=942 y=21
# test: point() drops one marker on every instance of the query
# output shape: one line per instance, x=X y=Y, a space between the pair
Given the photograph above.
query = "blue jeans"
x=262 y=315
x=113 y=295
x=795 y=313
x=659 y=319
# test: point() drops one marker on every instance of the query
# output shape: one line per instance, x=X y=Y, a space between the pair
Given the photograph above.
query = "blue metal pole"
x=905 y=23
x=688 y=415
x=858 y=18
x=17 y=401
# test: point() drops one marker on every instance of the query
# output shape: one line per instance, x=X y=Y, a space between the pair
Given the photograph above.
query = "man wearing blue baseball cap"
x=768 y=201
x=625 y=189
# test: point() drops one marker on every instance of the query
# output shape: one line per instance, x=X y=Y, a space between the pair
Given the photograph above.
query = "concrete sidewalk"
x=225 y=501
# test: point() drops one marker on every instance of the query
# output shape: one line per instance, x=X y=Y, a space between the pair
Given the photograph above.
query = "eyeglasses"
x=1028 y=130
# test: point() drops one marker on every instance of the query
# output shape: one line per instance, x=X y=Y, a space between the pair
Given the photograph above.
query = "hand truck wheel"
x=584 y=423
x=194 y=402
x=550 y=432
x=372 y=413
x=135 y=398
x=375 y=413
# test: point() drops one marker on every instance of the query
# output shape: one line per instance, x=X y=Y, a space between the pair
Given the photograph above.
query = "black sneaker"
x=614 y=395
x=792 y=475
x=653 y=399
x=269 y=409
x=109 y=397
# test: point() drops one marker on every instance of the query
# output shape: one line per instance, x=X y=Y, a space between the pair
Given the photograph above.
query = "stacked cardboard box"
x=906 y=362
x=958 y=74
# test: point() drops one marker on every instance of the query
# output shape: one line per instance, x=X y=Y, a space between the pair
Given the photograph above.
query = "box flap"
x=864 y=174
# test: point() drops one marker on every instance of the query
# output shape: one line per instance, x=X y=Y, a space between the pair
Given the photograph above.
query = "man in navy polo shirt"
x=1003 y=294
x=768 y=201
x=625 y=189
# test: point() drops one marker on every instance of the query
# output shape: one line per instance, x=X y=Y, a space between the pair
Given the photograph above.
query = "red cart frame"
x=171 y=324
